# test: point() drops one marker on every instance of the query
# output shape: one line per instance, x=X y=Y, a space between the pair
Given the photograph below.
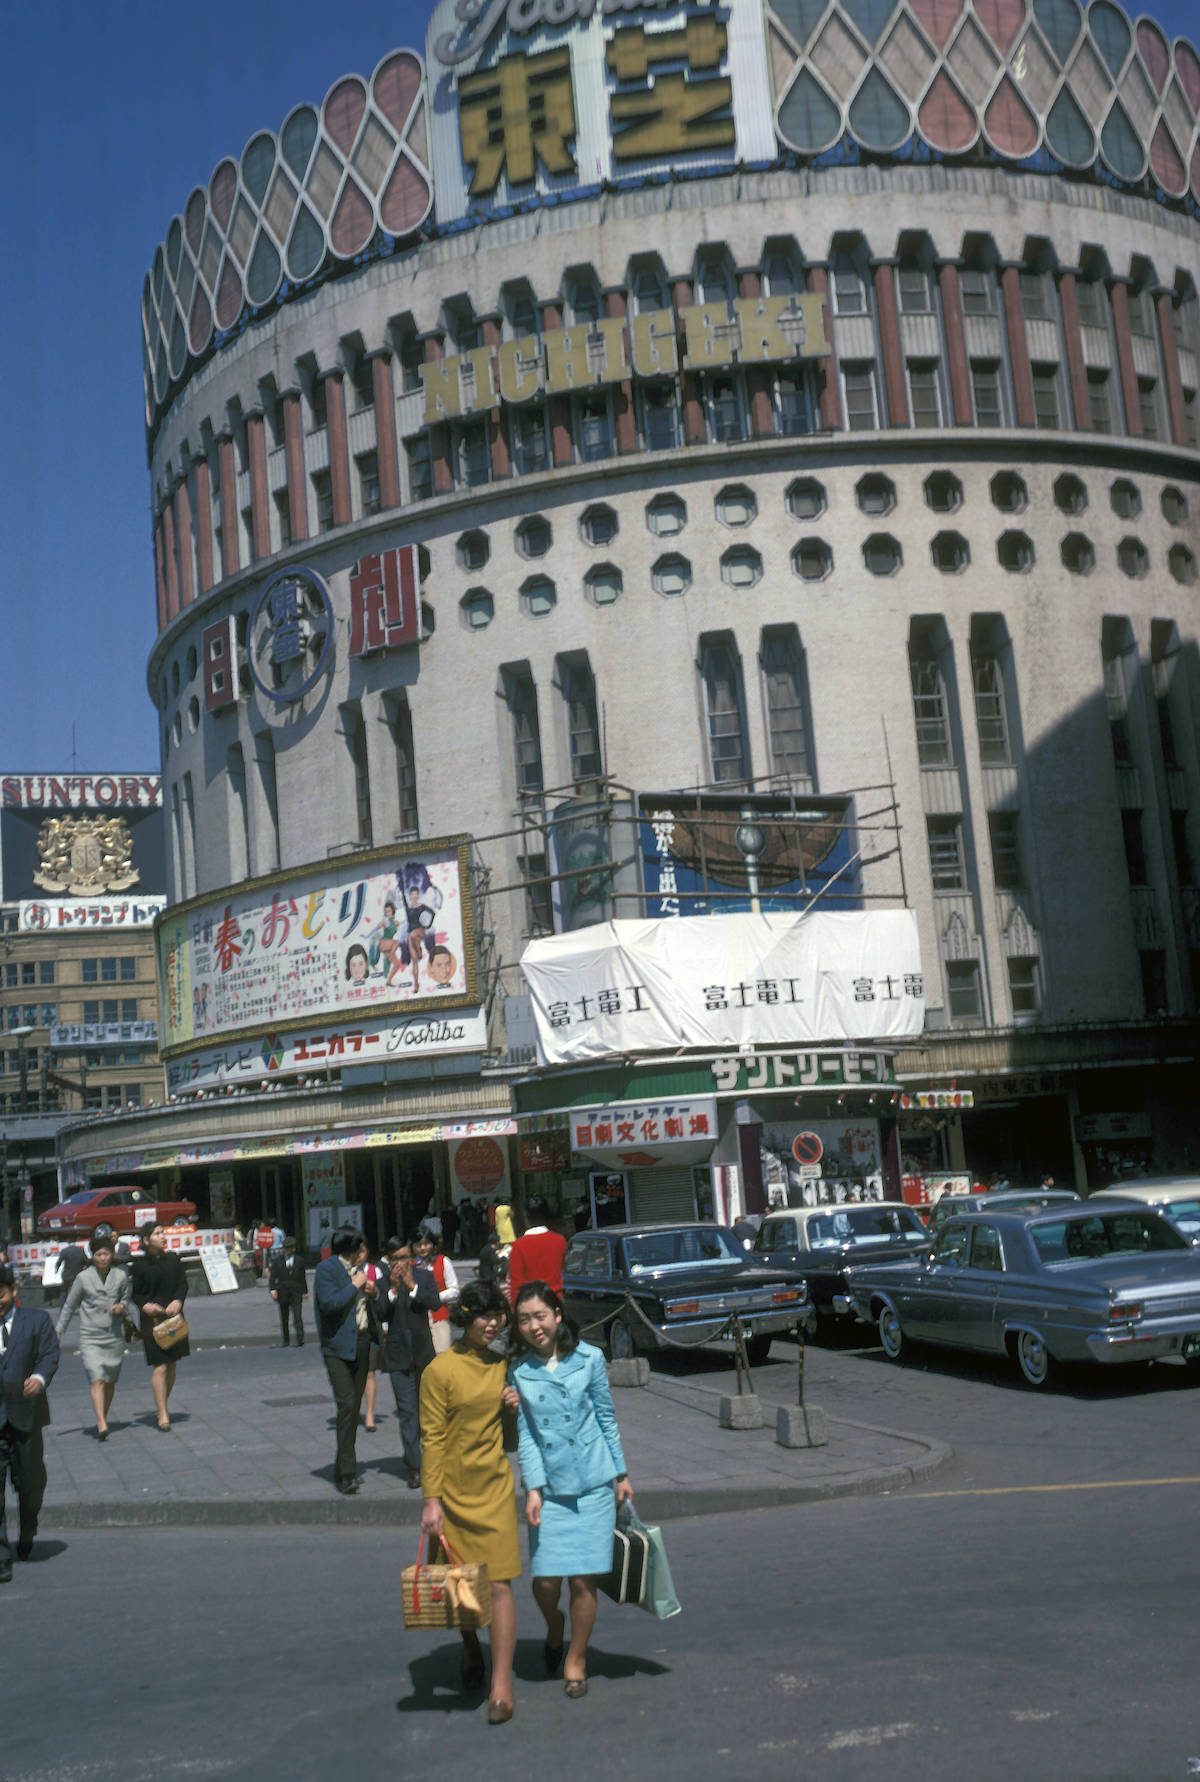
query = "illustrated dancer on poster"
x=422 y=902
x=385 y=940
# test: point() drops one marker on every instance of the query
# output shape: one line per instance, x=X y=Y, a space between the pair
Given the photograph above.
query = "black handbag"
x=629 y=1576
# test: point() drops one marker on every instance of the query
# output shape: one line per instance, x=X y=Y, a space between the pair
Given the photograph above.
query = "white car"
x=1177 y=1197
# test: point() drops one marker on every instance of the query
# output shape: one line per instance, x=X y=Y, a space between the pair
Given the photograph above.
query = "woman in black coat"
x=158 y=1288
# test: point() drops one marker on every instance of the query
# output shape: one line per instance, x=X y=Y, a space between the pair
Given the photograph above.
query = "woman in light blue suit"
x=573 y=1469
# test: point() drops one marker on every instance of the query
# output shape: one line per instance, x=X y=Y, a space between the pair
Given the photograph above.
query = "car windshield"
x=78 y=1200
x=861 y=1225
x=1061 y=1241
x=1184 y=1213
x=692 y=1247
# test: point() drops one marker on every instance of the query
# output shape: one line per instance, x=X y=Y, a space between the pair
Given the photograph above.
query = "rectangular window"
x=985 y=390
x=527 y=736
x=1191 y=417
x=787 y=722
x=795 y=411
x=1153 y=962
x=527 y=438
x=400 y=724
x=1135 y=846
x=91 y=1013
x=931 y=713
x=133 y=1094
x=1023 y=992
x=964 y=990
x=724 y=714
x=472 y=454
x=862 y=405
x=925 y=393
x=89 y=971
x=322 y=484
x=726 y=409
x=10 y=976
x=849 y=287
x=539 y=898
x=1116 y=706
x=1045 y=396
x=128 y=969
x=1099 y=403
x=583 y=722
x=660 y=417
x=593 y=427
x=420 y=468
x=1089 y=295
x=1141 y=313
x=108 y=971
x=318 y=403
x=283 y=515
x=977 y=290
x=129 y=1008
x=914 y=287
x=946 y=867
x=367 y=465
x=49 y=1014
x=45 y=971
x=1004 y=835
x=412 y=357
x=1034 y=299
x=28 y=971
x=1182 y=849
x=991 y=718
x=1148 y=407
x=355 y=732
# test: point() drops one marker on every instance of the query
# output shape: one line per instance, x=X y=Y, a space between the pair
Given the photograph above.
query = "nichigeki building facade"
x=621 y=429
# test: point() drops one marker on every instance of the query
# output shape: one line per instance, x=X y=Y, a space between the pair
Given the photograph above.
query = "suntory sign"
x=748 y=331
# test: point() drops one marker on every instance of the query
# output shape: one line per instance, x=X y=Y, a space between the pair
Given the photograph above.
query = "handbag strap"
x=451 y=1555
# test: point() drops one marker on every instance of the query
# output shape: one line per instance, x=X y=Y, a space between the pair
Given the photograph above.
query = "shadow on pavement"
x=1132 y=1379
x=436 y=1687
x=45 y=1550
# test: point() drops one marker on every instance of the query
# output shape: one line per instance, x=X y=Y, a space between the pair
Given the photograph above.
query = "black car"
x=821 y=1243
x=629 y=1287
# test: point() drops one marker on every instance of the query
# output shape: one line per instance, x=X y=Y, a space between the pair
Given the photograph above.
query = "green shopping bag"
x=660 y=1598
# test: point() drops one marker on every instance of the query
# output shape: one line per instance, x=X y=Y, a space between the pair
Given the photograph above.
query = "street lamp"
x=21 y=1034
x=751 y=840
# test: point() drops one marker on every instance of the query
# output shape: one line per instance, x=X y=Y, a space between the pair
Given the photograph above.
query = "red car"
x=125 y=1209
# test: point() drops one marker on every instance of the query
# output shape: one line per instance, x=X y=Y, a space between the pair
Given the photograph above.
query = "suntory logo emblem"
x=85 y=855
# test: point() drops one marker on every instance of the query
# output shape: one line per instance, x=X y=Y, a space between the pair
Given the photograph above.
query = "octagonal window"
x=1009 y=493
x=1182 y=563
x=943 y=492
x=1174 y=505
x=812 y=559
x=666 y=516
x=477 y=608
x=950 y=552
x=538 y=596
x=533 y=536
x=1125 y=499
x=598 y=525
x=671 y=575
x=806 y=498
x=741 y=567
x=473 y=550
x=1015 y=551
x=882 y=554
x=1070 y=495
x=875 y=494
x=604 y=584
x=736 y=505
x=1078 y=554
x=1133 y=557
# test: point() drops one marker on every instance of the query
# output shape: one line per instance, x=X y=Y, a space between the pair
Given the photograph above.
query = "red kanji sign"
x=807 y=1147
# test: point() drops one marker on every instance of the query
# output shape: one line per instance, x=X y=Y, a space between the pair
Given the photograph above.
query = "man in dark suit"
x=346 y=1326
x=289 y=1290
x=406 y=1305
x=28 y=1360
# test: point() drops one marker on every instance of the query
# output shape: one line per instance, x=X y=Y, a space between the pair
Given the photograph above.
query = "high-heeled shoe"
x=499 y=1712
x=575 y=1687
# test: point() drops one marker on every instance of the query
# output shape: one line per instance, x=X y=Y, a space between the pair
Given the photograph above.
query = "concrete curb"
x=656 y=1503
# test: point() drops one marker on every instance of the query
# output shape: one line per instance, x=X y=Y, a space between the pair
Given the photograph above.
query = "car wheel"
x=621 y=1346
x=1034 y=1359
x=758 y=1349
x=891 y=1334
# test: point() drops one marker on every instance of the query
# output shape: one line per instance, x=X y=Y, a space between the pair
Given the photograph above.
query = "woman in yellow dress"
x=466 y=1478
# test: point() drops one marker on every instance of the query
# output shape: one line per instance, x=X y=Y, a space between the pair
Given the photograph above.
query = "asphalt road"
x=1033 y=1616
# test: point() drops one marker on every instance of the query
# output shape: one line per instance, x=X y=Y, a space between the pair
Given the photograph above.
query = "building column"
x=183 y=536
x=293 y=447
x=170 y=559
x=1076 y=368
x=203 y=523
x=339 y=452
x=498 y=453
x=562 y=449
x=694 y=430
x=260 y=516
x=383 y=396
x=439 y=431
x=160 y=575
x=895 y=383
x=829 y=399
x=958 y=363
x=1129 y=383
x=231 y=556
x=1018 y=347
x=625 y=414
x=758 y=377
x=1170 y=364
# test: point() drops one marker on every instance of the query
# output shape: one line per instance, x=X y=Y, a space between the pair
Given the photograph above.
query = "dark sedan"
x=992 y=1200
x=1113 y=1284
x=823 y=1243
x=634 y=1287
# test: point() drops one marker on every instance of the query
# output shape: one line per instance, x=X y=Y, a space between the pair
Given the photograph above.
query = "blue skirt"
x=575 y=1539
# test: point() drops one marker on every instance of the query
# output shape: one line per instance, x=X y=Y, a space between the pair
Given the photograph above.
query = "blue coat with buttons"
x=569 y=1442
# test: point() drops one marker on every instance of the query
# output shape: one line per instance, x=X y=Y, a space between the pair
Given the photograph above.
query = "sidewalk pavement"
x=252 y=1443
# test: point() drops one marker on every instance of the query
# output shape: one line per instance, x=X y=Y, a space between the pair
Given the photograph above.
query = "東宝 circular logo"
x=290 y=639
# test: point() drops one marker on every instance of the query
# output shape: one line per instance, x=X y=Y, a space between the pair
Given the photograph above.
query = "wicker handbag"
x=454 y=1595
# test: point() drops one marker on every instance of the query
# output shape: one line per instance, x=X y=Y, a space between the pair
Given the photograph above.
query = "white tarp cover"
x=734 y=980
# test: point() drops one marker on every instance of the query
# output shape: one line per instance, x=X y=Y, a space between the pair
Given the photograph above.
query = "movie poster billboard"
x=714 y=853
x=382 y=935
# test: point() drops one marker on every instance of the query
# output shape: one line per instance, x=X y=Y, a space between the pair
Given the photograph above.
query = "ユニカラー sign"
x=718 y=981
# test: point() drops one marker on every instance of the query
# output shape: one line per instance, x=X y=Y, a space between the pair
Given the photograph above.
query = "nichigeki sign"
x=721 y=981
x=373 y=939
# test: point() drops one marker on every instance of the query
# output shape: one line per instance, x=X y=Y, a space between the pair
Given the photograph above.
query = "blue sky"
x=111 y=117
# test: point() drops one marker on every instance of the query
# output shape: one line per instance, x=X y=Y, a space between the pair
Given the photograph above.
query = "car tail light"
x=682 y=1307
x=786 y=1296
x=1131 y=1308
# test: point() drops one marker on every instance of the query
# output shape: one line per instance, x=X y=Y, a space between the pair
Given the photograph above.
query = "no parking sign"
x=808 y=1148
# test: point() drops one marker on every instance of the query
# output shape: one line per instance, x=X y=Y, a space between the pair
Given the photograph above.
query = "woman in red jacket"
x=538 y=1254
